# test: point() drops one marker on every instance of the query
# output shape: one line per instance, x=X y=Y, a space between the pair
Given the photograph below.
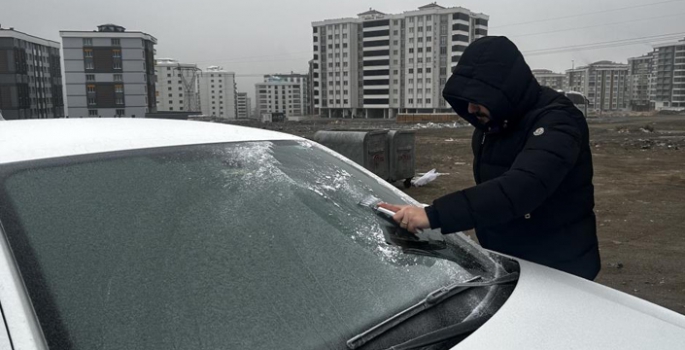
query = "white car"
x=153 y=234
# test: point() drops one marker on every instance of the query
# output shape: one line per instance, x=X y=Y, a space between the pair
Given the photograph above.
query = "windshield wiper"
x=432 y=299
x=454 y=332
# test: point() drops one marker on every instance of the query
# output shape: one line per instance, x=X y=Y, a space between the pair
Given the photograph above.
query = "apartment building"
x=639 y=81
x=243 y=105
x=30 y=76
x=218 y=95
x=297 y=89
x=109 y=72
x=668 y=73
x=378 y=65
x=604 y=83
x=178 y=85
x=548 y=78
x=286 y=94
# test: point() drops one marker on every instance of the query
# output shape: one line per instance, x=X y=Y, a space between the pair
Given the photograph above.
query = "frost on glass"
x=248 y=245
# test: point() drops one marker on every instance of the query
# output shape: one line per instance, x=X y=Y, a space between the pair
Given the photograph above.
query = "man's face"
x=482 y=113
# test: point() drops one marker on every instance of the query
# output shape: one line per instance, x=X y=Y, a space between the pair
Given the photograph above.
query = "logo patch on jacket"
x=539 y=131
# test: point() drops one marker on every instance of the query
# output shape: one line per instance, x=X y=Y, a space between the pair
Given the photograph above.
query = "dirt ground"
x=639 y=192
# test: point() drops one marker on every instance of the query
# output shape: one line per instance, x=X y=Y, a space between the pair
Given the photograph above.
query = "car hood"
x=550 y=309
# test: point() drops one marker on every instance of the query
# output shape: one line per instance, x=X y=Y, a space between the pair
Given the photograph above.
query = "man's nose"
x=473 y=108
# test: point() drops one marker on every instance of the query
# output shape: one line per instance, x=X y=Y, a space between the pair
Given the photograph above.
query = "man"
x=534 y=196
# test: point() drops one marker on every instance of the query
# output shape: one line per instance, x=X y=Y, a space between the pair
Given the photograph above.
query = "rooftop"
x=375 y=14
x=12 y=33
x=106 y=31
x=545 y=71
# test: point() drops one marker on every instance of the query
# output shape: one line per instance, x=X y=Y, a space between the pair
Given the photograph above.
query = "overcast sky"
x=256 y=37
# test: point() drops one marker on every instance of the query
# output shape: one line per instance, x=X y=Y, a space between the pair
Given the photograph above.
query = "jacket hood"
x=492 y=73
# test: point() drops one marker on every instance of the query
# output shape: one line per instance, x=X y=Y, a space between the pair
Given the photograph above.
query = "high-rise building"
x=250 y=110
x=604 y=83
x=178 y=85
x=30 y=76
x=109 y=72
x=218 y=95
x=548 y=78
x=243 y=106
x=639 y=79
x=668 y=73
x=283 y=93
x=311 y=110
x=378 y=65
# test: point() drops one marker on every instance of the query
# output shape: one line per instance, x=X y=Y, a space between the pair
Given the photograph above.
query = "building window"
x=411 y=29
x=90 y=77
x=88 y=60
x=93 y=112
x=420 y=29
x=90 y=89
x=411 y=101
x=116 y=64
x=428 y=70
x=420 y=40
x=120 y=112
x=91 y=101
x=419 y=70
x=116 y=42
x=395 y=42
x=119 y=100
x=411 y=81
x=411 y=40
x=411 y=70
x=411 y=60
x=118 y=77
x=411 y=50
x=88 y=42
x=116 y=53
x=419 y=101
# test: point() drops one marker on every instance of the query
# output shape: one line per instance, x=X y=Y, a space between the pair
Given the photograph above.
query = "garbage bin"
x=367 y=148
x=402 y=154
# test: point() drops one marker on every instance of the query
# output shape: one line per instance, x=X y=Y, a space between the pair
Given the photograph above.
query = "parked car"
x=162 y=234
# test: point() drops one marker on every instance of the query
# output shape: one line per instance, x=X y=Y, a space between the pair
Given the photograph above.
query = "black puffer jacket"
x=534 y=197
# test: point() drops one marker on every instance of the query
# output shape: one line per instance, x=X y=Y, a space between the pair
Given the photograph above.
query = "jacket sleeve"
x=535 y=175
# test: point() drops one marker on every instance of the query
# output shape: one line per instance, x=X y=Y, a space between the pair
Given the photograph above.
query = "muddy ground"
x=639 y=193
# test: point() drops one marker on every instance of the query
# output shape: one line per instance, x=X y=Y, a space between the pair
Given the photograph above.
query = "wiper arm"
x=432 y=299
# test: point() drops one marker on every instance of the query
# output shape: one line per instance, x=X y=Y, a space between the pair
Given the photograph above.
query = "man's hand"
x=409 y=217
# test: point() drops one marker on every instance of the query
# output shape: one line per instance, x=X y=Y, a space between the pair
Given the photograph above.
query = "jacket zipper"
x=480 y=155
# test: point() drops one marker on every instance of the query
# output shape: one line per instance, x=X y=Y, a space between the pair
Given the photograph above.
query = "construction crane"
x=189 y=79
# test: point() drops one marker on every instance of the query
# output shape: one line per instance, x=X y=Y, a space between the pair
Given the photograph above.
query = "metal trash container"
x=367 y=148
x=402 y=154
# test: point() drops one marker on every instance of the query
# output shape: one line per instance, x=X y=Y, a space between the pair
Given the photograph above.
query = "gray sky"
x=255 y=37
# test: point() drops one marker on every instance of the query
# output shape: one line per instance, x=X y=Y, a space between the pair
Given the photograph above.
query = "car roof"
x=23 y=140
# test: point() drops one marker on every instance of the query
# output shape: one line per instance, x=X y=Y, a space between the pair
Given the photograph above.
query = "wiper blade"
x=455 y=332
x=432 y=299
